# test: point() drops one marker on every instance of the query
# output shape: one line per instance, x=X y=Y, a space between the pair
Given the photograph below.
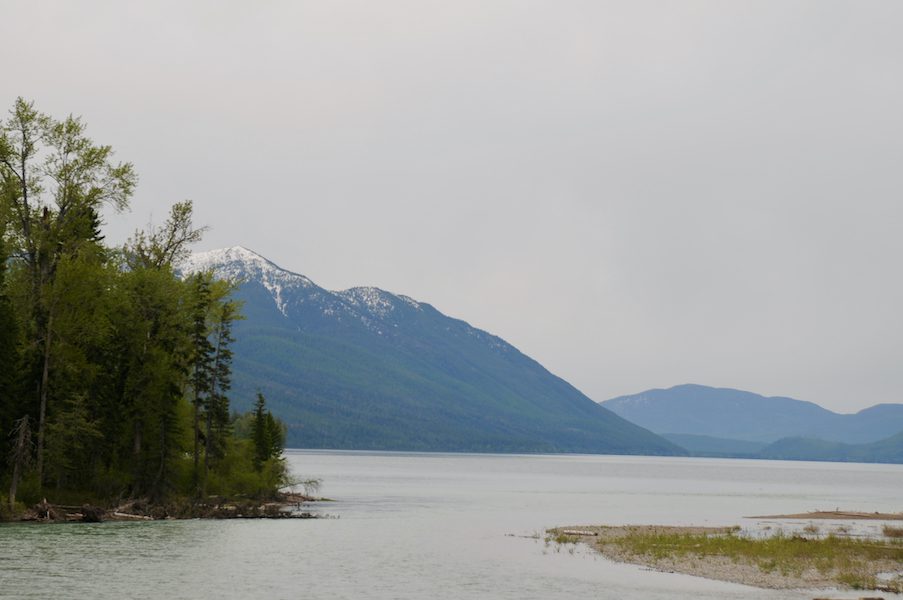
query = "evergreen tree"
x=202 y=355
x=263 y=442
x=216 y=406
x=268 y=434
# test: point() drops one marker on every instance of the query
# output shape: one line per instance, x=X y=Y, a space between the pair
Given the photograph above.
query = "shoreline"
x=284 y=506
x=679 y=549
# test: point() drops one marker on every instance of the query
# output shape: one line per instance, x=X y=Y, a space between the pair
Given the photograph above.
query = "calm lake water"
x=439 y=526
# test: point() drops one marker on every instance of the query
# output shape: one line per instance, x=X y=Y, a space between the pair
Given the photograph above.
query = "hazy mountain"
x=888 y=450
x=706 y=445
x=367 y=369
x=736 y=415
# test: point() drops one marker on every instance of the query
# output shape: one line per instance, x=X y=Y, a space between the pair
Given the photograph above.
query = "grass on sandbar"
x=892 y=532
x=847 y=561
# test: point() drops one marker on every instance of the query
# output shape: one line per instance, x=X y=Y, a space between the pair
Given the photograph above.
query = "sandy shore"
x=602 y=539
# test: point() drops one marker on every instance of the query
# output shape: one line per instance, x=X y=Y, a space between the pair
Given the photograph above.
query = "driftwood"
x=130 y=517
x=44 y=511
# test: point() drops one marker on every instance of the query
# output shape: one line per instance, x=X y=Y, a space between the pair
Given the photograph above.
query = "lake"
x=419 y=526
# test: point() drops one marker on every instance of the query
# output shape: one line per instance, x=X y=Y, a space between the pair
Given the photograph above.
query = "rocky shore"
x=285 y=506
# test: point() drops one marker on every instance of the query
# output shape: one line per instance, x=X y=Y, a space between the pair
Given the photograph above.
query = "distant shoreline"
x=837 y=515
x=386 y=452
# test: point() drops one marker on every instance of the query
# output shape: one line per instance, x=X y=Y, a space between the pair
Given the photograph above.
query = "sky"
x=636 y=194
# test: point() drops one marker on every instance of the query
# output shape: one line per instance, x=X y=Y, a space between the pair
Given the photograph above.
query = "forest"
x=115 y=370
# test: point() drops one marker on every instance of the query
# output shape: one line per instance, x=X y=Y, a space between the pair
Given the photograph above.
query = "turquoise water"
x=438 y=526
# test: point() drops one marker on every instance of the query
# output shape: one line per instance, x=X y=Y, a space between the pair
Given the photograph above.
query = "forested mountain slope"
x=367 y=369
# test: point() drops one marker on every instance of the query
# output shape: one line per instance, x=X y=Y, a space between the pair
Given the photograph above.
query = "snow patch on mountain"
x=378 y=310
x=238 y=264
x=374 y=300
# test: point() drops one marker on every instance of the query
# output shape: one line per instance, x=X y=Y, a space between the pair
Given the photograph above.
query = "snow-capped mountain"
x=297 y=297
x=364 y=368
x=240 y=264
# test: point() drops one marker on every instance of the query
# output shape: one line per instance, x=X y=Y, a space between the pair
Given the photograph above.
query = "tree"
x=20 y=455
x=262 y=440
x=8 y=357
x=268 y=434
x=53 y=180
x=168 y=245
x=216 y=406
x=72 y=435
x=118 y=367
x=202 y=354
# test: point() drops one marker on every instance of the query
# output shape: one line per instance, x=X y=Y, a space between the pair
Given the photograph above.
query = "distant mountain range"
x=366 y=369
x=711 y=421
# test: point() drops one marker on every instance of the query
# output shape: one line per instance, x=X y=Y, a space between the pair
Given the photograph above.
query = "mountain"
x=736 y=415
x=706 y=445
x=888 y=450
x=367 y=369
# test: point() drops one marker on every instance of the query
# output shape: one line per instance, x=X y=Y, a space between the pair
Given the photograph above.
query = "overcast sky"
x=636 y=194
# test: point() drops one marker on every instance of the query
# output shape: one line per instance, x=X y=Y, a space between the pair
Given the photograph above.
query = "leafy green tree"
x=147 y=363
x=165 y=246
x=53 y=181
x=110 y=357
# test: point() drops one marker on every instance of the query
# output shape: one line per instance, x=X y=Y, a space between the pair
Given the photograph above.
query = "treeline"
x=114 y=370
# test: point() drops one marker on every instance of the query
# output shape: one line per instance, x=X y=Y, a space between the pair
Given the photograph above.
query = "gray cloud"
x=635 y=193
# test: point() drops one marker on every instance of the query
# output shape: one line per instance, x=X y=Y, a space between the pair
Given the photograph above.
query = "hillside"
x=888 y=450
x=733 y=414
x=367 y=369
x=706 y=445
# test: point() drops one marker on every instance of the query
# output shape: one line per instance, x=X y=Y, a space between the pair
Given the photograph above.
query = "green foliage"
x=118 y=367
x=72 y=435
x=8 y=358
x=267 y=434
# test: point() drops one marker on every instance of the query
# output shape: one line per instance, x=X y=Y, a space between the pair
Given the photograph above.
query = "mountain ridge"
x=364 y=368
x=692 y=409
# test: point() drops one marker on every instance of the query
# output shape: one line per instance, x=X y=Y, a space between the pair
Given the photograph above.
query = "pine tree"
x=263 y=442
x=202 y=363
x=217 y=402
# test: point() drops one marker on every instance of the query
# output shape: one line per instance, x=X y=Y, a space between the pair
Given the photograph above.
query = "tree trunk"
x=197 y=440
x=207 y=447
x=45 y=378
x=20 y=454
x=156 y=489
